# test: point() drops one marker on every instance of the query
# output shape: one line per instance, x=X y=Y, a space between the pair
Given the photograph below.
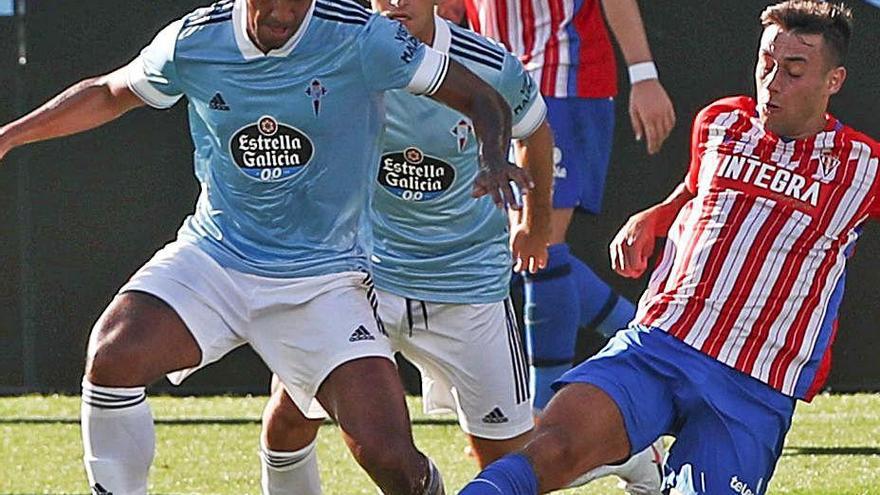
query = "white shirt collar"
x=442 y=35
x=248 y=49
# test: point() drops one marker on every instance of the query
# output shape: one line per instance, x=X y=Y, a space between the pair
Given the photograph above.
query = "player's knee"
x=381 y=455
x=114 y=360
x=554 y=452
x=284 y=426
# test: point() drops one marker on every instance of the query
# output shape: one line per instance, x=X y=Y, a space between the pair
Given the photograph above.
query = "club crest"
x=315 y=90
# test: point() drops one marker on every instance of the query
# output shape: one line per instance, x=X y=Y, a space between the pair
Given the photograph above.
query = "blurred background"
x=79 y=215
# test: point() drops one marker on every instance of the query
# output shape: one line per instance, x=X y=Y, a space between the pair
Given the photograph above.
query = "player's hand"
x=529 y=248
x=651 y=113
x=494 y=179
x=633 y=245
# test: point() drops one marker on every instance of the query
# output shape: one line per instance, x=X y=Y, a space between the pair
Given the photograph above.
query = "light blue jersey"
x=286 y=143
x=433 y=241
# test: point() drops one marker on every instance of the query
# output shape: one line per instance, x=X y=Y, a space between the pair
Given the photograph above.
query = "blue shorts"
x=583 y=129
x=729 y=427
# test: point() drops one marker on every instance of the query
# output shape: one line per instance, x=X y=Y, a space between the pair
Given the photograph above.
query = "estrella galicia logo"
x=315 y=90
x=414 y=176
x=268 y=150
x=410 y=43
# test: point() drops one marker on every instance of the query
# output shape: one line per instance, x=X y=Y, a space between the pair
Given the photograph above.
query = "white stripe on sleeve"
x=430 y=74
x=139 y=83
x=531 y=120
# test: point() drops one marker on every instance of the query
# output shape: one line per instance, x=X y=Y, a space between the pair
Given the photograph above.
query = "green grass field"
x=209 y=445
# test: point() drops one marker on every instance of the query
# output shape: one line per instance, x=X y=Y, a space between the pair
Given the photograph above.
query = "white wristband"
x=642 y=71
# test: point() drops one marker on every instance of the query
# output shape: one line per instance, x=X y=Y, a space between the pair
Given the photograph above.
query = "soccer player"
x=285 y=105
x=441 y=260
x=738 y=319
x=565 y=45
x=441 y=264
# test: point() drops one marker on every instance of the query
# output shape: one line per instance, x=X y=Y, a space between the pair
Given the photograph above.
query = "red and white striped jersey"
x=753 y=269
x=564 y=44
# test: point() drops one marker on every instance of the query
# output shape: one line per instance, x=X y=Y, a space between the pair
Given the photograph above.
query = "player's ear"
x=835 y=79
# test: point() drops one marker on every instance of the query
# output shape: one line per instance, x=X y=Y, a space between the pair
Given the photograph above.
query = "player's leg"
x=746 y=421
x=602 y=309
x=330 y=346
x=472 y=363
x=155 y=326
x=136 y=340
x=613 y=404
x=288 y=454
x=567 y=294
x=366 y=398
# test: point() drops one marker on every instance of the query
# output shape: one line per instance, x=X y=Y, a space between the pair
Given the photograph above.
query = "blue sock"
x=551 y=320
x=510 y=475
x=602 y=309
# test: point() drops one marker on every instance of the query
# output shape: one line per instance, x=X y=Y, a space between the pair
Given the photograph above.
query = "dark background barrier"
x=80 y=215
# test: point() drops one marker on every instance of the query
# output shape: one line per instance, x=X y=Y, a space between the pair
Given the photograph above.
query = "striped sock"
x=293 y=473
x=118 y=438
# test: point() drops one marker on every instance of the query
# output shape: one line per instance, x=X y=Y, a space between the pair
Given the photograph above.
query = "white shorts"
x=471 y=359
x=302 y=328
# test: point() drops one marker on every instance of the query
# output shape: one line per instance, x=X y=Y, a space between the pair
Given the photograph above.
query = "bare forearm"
x=487 y=110
x=626 y=24
x=535 y=154
x=83 y=106
x=664 y=213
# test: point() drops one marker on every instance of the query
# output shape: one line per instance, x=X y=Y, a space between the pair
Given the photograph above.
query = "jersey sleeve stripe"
x=482 y=49
x=430 y=73
x=343 y=10
x=350 y=4
x=332 y=17
x=531 y=120
x=454 y=50
x=480 y=43
x=137 y=81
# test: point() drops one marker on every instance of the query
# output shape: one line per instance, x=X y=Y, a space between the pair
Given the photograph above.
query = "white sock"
x=293 y=473
x=118 y=439
x=641 y=474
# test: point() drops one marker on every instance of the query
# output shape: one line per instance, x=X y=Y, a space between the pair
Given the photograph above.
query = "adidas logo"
x=218 y=103
x=100 y=490
x=361 y=333
x=495 y=417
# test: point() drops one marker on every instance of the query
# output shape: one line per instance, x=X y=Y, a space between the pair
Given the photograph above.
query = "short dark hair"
x=832 y=20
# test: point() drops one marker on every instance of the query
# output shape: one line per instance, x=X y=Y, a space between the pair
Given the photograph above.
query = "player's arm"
x=530 y=232
x=634 y=243
x=650 y=109
x=83 y=106
x=491 y=117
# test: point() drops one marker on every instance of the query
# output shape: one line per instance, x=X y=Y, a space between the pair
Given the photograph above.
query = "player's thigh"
x=305 y=329
x=731 y=440
x=172 y=317
x=634 y=372
x=472 y=363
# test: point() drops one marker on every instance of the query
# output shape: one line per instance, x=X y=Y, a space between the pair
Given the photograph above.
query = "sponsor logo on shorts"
x=742 y=487
x=415 y=176
x=269 y=150
x=495 y=417
x=361 y=333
